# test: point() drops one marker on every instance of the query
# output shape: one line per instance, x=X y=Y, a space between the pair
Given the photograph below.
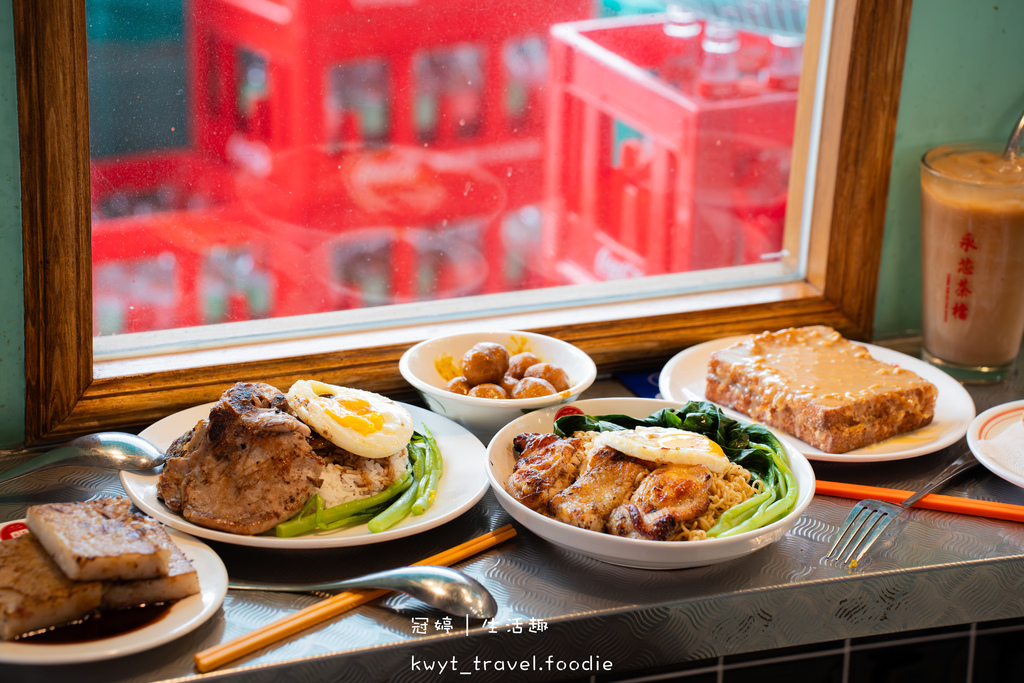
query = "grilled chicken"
x=607 y=481
x=667 y=498
x=545 y=464
x=246 y=468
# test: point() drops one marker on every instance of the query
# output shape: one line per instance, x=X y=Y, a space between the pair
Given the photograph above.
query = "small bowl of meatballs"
x=484 y=380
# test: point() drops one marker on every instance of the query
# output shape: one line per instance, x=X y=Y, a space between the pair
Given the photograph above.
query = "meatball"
x=552 y=373
x=518 y=363
x=458 y=385
x=508 y=382
x=531 y=387
x=488 y=391
x=485 y=363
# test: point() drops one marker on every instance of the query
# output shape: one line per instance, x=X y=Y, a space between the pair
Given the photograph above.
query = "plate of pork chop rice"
x=344 y=477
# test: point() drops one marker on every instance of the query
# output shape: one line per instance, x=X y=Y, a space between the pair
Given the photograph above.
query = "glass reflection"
x=271 y=159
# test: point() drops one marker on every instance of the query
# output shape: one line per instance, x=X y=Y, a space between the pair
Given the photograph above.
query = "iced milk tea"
x=972 y=231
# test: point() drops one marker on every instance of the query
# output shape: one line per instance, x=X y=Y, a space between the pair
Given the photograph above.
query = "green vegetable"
x=749 y=445
x=413 y=491
x=431 y=476
x=322 y=518
x=395 y=512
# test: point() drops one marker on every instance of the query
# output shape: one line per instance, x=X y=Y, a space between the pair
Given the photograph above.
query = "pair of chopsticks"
x=219 y=655
x=932 y=501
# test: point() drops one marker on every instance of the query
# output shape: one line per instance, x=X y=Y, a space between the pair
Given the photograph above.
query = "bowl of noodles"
x=589 y=491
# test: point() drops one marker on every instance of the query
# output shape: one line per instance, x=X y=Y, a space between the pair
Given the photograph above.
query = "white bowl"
x=485 y=416
x=631 y=552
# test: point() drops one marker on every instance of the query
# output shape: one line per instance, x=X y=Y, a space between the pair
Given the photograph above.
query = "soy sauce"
x=98 y=626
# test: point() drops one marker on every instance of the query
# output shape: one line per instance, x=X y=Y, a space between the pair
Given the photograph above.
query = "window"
x=68 y=392
x=338 y=157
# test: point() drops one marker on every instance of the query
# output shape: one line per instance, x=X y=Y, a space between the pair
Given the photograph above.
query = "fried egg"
x=361 y=422
x=666 y=445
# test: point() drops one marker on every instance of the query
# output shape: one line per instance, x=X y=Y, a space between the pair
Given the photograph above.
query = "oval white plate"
x=631 y=552
x=683 y=379
x=463 y=483
x=989 y=425
x=184 y=616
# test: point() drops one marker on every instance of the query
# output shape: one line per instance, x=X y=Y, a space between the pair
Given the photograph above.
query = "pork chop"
x=244 y=469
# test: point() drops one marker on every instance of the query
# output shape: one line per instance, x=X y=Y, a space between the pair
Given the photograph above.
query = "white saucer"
x=1004 y=457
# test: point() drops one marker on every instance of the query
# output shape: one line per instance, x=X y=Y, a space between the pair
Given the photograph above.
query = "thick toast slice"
x=821 y=388
x=99 y=540
x=35 y=593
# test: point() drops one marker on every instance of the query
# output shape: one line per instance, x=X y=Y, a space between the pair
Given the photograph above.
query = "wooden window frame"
x=67 y=393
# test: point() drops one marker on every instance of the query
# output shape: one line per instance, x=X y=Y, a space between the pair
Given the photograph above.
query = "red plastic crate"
x=369 y=226
x=293 y=96
x=643 y=178
x=181 y=269
x=462 y=76
x=171 y=247
x=155 y=182
x=272 y=78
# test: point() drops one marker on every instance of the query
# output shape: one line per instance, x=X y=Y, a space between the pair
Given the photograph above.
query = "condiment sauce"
x=103 y=625
x=815 y=362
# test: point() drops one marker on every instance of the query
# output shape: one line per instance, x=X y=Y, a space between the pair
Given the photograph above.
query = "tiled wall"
x=974 y=653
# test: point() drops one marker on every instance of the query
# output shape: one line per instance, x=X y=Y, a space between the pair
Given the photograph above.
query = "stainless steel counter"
x=568 y=617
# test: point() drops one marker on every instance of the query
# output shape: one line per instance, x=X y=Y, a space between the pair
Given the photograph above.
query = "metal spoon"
x=107 y=450
x=1013 y=144
x=447 y=589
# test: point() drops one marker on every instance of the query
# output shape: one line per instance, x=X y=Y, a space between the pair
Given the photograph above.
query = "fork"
x=869 y=518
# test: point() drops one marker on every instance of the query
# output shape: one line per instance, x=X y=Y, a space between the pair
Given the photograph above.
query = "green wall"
x=963 y=80
x=12 y=326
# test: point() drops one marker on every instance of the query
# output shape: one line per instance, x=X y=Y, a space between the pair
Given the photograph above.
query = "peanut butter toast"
x=820 y=387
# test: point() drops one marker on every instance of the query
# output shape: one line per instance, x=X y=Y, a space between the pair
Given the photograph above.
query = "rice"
x=350 y=477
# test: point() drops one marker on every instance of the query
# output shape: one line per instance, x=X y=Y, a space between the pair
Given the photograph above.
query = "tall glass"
x=972 y=233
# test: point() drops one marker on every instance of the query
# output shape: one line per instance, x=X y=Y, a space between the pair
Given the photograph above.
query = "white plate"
x=683 y=379
x=184 y=616
x=631 y=552
x=987 y=427
x=462 y=484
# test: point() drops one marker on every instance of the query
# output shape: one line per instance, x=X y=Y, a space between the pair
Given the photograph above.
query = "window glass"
x=257 y=159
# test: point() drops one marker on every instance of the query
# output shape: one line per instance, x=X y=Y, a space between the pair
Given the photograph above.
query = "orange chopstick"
x=933 y=501
x=219 y=655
